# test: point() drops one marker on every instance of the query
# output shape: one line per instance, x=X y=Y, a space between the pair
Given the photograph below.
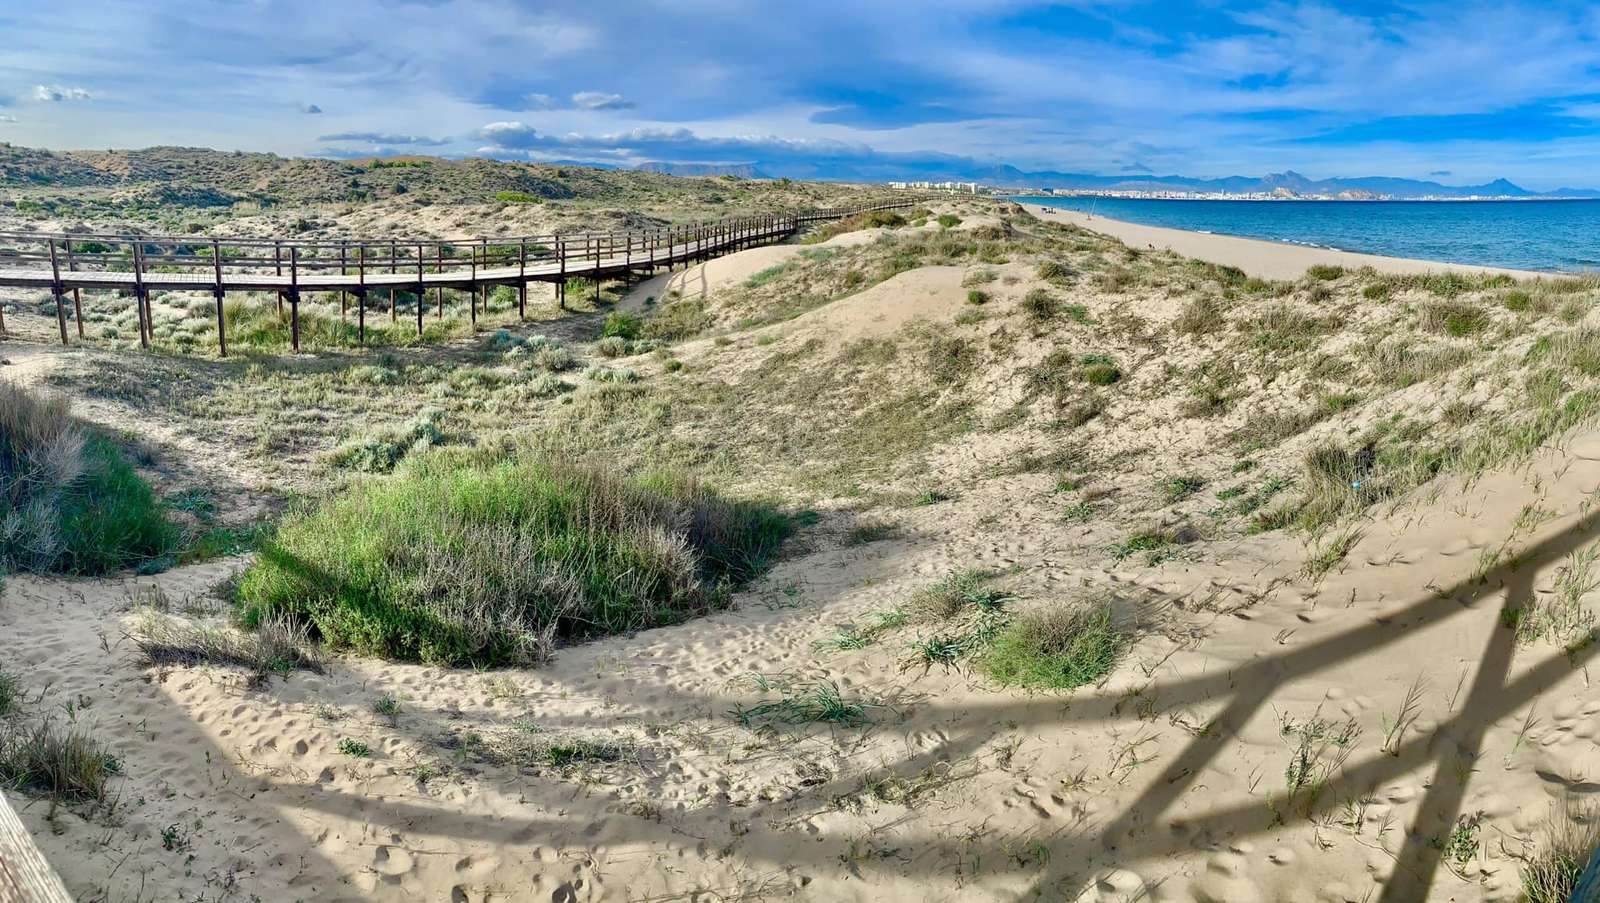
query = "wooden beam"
x=25 y=875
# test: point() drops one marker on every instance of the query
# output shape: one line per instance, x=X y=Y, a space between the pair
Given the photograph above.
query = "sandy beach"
x=1266 y=259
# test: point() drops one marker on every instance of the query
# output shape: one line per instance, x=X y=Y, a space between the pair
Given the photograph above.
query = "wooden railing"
x=71 y=263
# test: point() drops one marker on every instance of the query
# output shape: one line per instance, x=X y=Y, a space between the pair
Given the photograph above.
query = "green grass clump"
x=463 y=559
x=1058 y=649
x=944 y=600
x=1324 y=272
x=767 y=275
x=64 y=763
x=1040 y=306
x=383 y=450
x=10 y=694
x=1053 y=271
x=977 y=296
x=1178 y=488
x=1153 y=543
x=1100 y=370
x=517 y=197
x=355 y=749
x=621 y=325
x=948 y=220
x=1455 y=318
x=800 y=702
x=72 y=503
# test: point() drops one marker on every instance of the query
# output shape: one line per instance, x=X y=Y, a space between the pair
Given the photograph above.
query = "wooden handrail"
x=144 y=263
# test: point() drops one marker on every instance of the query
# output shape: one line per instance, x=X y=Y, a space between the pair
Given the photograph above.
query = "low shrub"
x=1040 y=306
x=381 y=451
x=486 y=560
x=621 y=325
x=612 y=346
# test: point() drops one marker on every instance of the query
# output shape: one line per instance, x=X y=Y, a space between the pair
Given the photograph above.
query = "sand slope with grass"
x=1115 y=576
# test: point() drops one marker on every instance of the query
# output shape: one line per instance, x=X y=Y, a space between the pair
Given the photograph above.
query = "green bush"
x=73 y=504
x=949 y=220
x=621 y=325
x=486 y=560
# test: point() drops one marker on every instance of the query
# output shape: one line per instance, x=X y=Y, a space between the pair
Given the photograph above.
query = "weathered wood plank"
x=25 y=876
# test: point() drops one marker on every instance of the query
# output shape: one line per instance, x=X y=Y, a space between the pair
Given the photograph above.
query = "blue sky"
x=1459 y=92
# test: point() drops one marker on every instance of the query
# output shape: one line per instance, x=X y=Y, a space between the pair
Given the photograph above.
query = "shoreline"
x=1255 y=256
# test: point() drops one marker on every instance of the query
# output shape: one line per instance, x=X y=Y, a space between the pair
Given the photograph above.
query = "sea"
x=1548 y=236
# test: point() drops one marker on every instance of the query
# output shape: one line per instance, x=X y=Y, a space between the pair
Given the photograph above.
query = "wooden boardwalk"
x=67 y=265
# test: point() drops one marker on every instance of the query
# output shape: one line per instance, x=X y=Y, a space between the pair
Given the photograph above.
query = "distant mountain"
x=958 y=169
x=742 y=170
x=1289 y=182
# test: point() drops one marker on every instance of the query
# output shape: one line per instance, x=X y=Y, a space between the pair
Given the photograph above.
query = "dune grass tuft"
x=1550 y=874
x=463 y=559
x=1058 y=649
x=276 y=646
x=63 y=763
x=72 y=503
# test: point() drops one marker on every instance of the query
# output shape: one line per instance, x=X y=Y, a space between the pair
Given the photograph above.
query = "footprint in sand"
x=393 y=861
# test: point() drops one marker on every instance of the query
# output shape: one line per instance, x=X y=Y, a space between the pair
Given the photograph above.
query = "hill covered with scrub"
x=957 y=554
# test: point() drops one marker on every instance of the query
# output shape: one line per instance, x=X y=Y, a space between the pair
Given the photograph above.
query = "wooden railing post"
x=294 y=296
x=139 y=294
x=77 y=295
x=522 y=282
x=344 y=296
x=422 y=291
x=55 y=289
x=216 y=269
x=361 y=293
x=394 y=267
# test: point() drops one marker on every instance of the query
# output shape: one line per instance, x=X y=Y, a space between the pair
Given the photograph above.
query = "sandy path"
x=1266 y=259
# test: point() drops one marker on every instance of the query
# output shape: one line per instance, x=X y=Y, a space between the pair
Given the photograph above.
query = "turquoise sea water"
x=1525 y=235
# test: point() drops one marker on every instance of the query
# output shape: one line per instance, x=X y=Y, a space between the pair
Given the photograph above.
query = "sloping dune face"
x=1115 y=576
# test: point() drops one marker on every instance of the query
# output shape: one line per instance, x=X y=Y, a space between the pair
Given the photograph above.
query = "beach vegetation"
x=1551 y=869
x=473 y=558
x=73 y=502
x=1059 y=648
x=65 y=763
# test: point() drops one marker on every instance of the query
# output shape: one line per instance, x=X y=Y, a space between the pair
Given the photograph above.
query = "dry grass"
x=1551 y=871
x=275 y=646
x=65 y=763
x=72 y=503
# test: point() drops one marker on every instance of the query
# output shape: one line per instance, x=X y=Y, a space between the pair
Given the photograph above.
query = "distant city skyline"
x=940 y=89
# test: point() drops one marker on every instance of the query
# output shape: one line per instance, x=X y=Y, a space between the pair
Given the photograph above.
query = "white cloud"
x=598 y=100
x=5 y=118
x=383 y=138
x=542 y=102
x=58 y=93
